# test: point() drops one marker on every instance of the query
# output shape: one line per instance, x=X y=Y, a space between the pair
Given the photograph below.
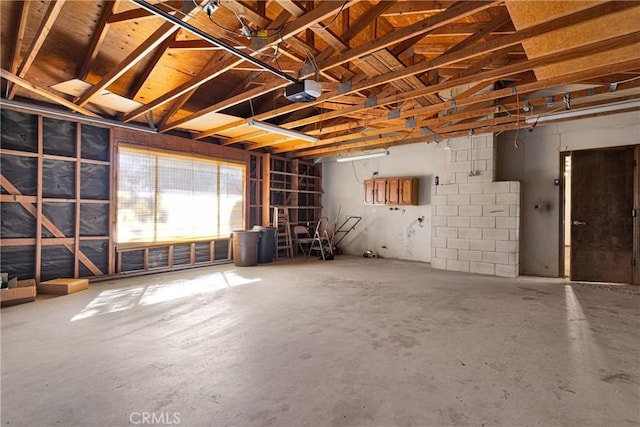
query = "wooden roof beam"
x=507 y=92
x=138 y=14
x=98 y=37
x=417 y=7
x=41 y=35
x=455 y=12
x=480 y=34
x=445 y=60
x=153 y=41
x=44 y=92
x=318 y=14
x=601 y=46
x=211 y=70
x=157 y=56
x=22 y=25
x=497 y=124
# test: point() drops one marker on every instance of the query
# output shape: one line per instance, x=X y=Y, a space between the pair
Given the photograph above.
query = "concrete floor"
x=349 y=342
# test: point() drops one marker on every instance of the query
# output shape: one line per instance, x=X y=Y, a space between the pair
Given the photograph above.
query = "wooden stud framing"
x=266 y=189
x=113 y=206
x=38 y=213
x=636 y=219
x=76 y=251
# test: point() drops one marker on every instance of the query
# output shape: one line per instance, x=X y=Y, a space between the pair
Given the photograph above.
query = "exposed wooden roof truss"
x=392 y=72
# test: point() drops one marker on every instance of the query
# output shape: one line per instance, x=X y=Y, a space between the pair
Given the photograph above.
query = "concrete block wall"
x=475 y=221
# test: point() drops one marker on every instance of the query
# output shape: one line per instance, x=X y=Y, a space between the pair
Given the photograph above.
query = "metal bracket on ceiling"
x=613 y=87
x=344 y=87
x=371 y=102
x=393 y=114
x=591 y=91
x=526 y=106
x=410 y=123
x=453 y=103
x=424 y=131
x=514 y=90
x=567 y=101
x=549 y=101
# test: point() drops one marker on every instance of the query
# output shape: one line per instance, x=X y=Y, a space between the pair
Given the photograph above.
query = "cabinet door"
x=369 y=191
x=408 y=191
x=393 y=191
x=380 y=194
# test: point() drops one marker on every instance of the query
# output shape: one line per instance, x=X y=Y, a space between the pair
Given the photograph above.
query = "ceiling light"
x=282 y=131
x=583 y=112
x=363 y=156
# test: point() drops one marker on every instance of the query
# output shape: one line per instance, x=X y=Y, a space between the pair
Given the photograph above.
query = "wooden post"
x=76 y=245
x=266 y=189
x=636 y=219
x=112 y=205
x=39 y=200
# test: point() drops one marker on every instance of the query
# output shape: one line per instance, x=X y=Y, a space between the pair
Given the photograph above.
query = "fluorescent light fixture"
x=617 y=106
x=282 y=131
x=363 y=156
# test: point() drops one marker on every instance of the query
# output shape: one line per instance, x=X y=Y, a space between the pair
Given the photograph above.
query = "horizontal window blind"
x=169 y=197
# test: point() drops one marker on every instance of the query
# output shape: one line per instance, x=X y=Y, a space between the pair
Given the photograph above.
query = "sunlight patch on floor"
x=114 y=300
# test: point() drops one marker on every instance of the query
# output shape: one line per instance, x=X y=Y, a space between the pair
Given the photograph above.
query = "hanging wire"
x=334 y=18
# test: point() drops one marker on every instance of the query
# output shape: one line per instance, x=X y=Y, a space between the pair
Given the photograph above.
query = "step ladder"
x=284 y=242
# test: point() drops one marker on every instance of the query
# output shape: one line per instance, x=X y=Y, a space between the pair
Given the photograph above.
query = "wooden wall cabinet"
x=369 y=189
x=380 y=192
x=391 y=191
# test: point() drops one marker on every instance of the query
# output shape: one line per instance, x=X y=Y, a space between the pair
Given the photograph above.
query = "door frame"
x=562 y=205
x=635 y=274
x=636 y=219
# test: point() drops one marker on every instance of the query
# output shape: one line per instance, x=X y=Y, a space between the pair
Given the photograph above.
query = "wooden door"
x=602 y=192
x=393 y=191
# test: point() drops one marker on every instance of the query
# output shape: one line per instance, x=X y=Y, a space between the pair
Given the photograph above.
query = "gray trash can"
x=266 y=243
x=245 y=248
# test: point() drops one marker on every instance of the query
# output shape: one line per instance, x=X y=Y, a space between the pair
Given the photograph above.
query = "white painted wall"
x=389 y=233
x=536 y=163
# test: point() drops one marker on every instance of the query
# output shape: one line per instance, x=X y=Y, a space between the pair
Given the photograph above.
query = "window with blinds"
x=168 y=197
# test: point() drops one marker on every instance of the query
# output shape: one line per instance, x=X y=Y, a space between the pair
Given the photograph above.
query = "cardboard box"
x=25 y=291
x=63 y=286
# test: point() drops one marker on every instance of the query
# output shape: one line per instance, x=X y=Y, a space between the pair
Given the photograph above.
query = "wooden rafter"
x=417 y=7
x=316 y=15
x=45 y=92
x=601 y=46
x=22 y=24
x=98 y=37
x=444 y=60
x=212 y=70
x=456 y=12
x=41 y=35
x=161 y=34
x=507 y=92
x=138 y=14
x=157 y=56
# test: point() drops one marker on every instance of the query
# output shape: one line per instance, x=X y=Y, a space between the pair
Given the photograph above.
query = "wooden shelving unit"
x=296 y=185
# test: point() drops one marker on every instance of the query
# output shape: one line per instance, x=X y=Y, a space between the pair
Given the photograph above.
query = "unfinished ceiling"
x=392 y=72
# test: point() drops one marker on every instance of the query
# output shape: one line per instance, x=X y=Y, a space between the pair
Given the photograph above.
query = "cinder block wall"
x=475 y=221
